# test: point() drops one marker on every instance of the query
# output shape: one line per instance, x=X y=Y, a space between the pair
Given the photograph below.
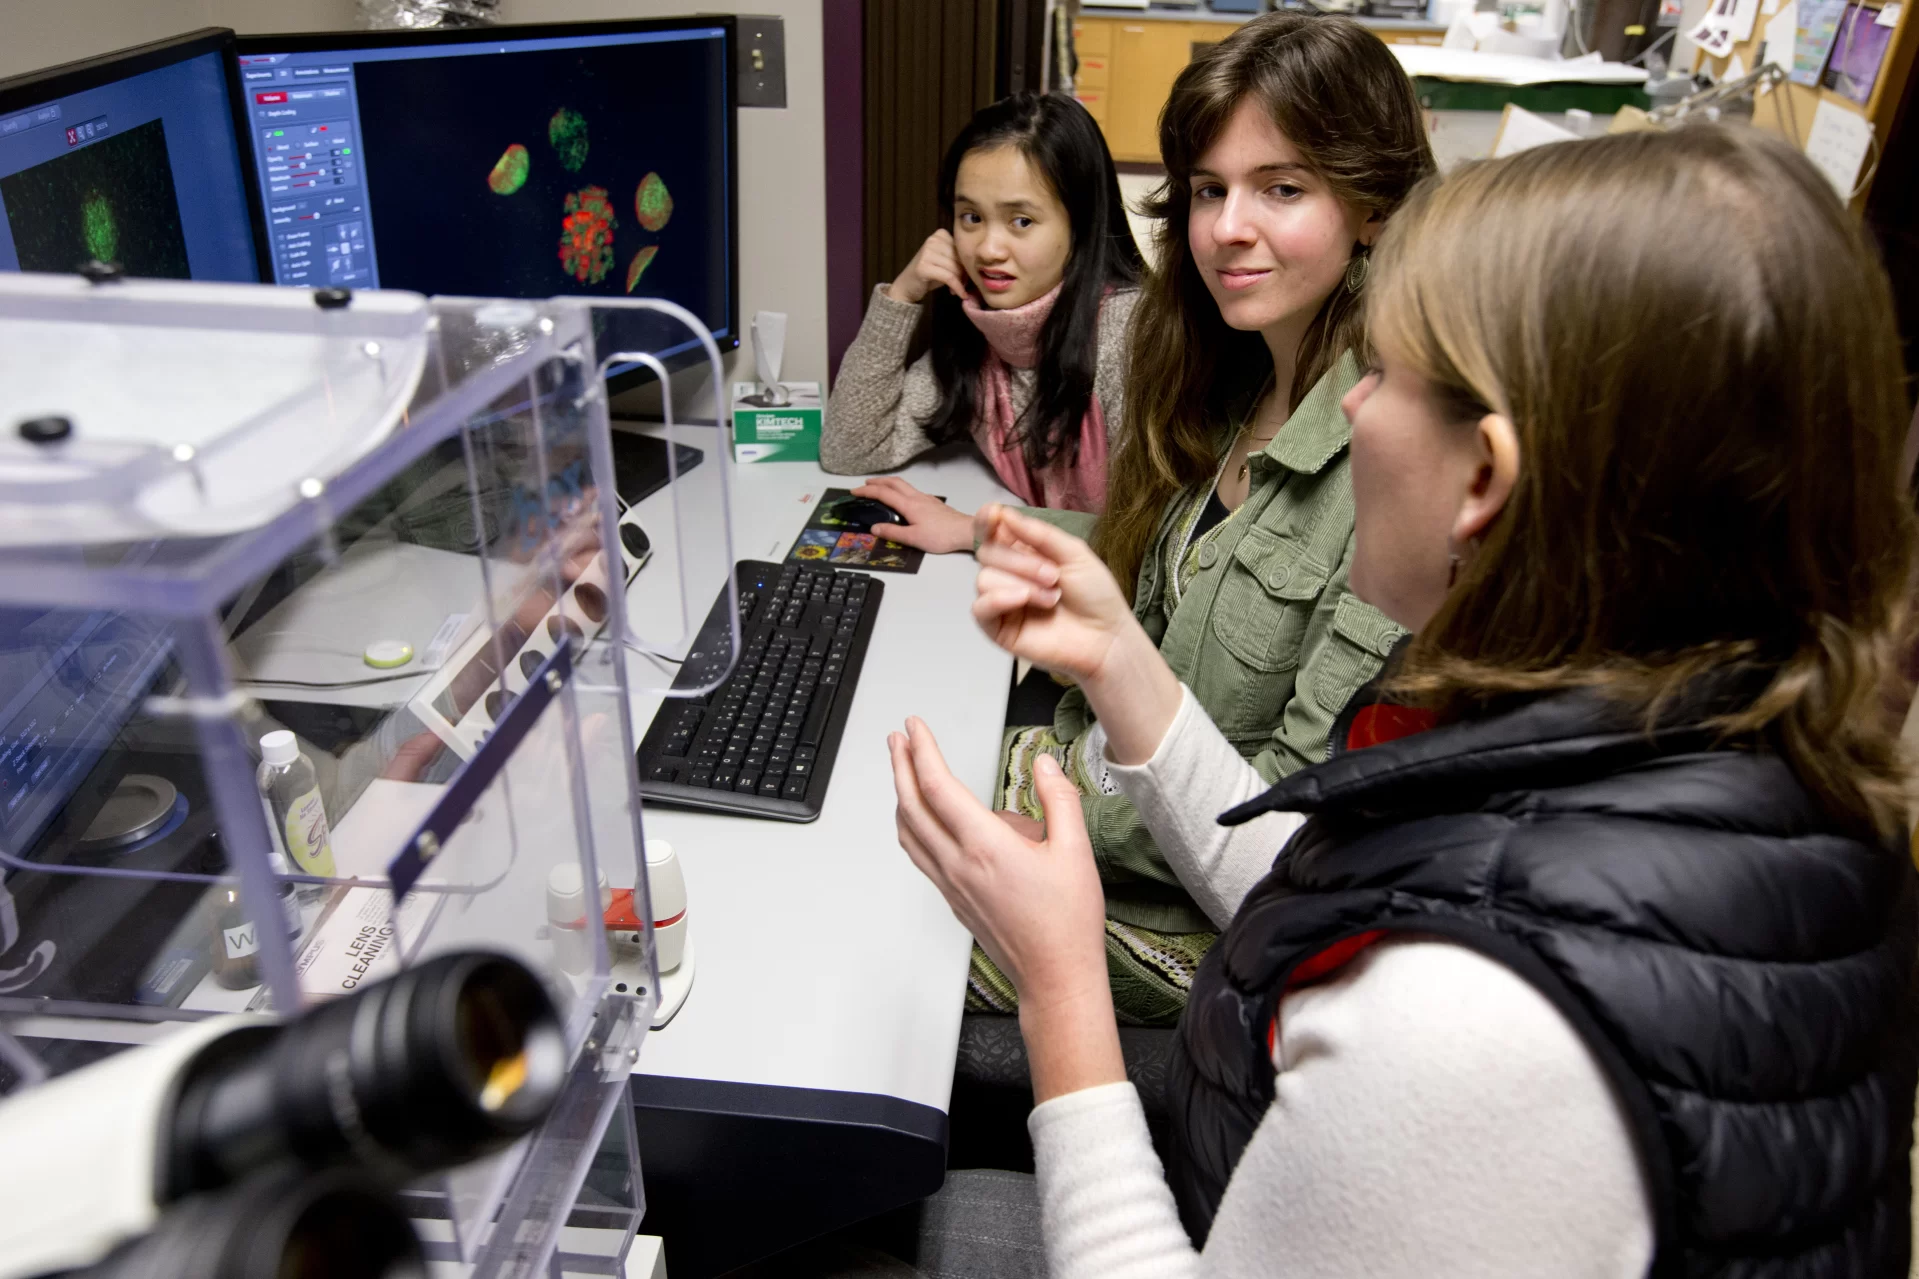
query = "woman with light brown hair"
x=1591 y=950
x=1229 y=510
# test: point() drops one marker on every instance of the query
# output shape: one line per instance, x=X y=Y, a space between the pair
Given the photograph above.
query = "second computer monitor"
x=592 y=158
x=129 y=158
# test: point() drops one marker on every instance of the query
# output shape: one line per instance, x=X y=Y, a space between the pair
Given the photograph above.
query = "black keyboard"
x=762 y=744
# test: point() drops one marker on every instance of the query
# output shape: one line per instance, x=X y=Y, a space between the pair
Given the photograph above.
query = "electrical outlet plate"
x=761 y=63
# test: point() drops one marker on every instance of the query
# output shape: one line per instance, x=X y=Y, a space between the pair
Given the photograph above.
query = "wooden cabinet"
x=1147 y=58
x=1127 y=68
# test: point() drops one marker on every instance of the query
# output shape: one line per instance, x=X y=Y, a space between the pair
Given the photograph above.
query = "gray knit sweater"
x=876 y=414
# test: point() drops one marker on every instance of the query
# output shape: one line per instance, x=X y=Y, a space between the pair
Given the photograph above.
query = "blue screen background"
x=190 y=99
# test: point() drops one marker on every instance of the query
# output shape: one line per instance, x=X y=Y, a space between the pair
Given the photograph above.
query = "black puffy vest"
x=1743 y=972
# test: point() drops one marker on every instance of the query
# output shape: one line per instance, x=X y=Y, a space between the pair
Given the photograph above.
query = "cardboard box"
x=786 y=433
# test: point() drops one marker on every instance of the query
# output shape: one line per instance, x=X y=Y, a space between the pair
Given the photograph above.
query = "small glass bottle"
x=236 y=941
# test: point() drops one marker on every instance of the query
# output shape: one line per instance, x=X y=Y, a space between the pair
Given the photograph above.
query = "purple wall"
x=843 y=38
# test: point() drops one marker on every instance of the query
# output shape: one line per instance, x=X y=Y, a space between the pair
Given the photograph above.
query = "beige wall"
x=40 y=33
x=782 y=160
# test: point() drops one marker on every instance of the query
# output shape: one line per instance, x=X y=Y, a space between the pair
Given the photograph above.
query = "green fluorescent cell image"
x=510 y=170
x=98 y=227
x=637 y=268
x=567 y=132
x=651 y=203
x=586 y=235
x=112 y=198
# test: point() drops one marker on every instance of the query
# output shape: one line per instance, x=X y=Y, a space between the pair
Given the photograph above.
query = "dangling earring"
x=1357 y=268
x=1452 y=571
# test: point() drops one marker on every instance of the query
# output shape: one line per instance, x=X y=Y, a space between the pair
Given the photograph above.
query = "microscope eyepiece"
x=451 y=1059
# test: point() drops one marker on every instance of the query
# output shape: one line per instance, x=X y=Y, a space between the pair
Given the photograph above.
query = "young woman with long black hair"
x=1008 y=327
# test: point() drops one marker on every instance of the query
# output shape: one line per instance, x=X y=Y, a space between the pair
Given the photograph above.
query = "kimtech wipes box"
x=789 y=432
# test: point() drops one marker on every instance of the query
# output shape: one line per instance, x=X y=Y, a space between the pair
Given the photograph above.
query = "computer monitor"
x=593 y=159
x=132 y=158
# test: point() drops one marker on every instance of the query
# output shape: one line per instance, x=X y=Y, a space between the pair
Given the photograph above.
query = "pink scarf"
x=1012 y=339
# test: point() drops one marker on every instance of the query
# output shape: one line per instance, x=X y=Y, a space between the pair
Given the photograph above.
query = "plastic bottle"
x=290 y=789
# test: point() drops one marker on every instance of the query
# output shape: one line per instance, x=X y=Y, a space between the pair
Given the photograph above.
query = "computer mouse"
x=862 y=513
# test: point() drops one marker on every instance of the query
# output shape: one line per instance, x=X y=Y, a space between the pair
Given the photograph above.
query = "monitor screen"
x=593 y=159
x=131 y=158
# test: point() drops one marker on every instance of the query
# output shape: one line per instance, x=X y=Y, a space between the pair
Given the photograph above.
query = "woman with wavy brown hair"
x=1590 y=952
x=1229 y=504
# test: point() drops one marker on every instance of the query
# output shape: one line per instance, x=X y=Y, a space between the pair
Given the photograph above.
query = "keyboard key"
x=700 y=777
x=663 y=771
x=795 y=789
x=816 y=717
x=748 y=782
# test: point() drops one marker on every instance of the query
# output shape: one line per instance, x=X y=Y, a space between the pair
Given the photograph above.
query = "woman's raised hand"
x=931 y=525
x=1034 y=906
x=1044 y=596
x=936 y=265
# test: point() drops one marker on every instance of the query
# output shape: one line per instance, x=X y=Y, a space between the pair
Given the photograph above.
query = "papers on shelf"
x=1510 y=68
x=1521 y=130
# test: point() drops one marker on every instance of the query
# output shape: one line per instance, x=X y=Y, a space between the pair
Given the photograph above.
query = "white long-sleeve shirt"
x=1434 y=1115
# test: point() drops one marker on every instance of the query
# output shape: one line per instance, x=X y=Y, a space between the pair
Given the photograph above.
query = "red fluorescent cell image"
x=586 y=235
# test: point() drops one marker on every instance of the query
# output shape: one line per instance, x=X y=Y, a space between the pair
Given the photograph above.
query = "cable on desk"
x=344 y=683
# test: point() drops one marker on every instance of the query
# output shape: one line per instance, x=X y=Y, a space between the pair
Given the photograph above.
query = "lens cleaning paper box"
x=787 y=432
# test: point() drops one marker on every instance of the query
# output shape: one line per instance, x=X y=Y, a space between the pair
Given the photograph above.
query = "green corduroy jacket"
x=1267 y=635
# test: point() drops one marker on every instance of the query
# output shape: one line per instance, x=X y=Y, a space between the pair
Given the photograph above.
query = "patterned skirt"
x=1151 y=972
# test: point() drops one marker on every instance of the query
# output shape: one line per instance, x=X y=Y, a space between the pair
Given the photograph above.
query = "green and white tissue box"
x=787 y=432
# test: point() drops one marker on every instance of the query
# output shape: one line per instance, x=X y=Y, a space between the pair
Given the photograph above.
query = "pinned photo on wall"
x=1812 y=42
x=1781 y=31
x=1837 y=145
x=1727 y=23
x=1859 y=49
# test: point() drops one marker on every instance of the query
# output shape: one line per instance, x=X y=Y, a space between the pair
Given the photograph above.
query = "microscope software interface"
x=143 y=171
x=593 y=164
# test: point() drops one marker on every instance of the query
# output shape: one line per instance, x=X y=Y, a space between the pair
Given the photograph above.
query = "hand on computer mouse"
x=931 y=525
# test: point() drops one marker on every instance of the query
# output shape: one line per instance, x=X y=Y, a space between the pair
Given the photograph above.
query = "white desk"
x=826 y=961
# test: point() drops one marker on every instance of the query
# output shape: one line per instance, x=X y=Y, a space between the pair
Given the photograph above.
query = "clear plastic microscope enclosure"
x=390 y=525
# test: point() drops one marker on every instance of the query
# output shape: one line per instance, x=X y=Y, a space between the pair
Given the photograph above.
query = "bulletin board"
x=1857 y=55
